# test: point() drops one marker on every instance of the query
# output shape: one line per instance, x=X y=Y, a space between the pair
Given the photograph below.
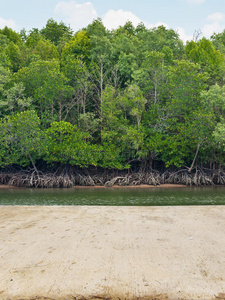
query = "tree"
x=14 y=54
x=79 y=79
x=185 y=114
x=78 y=46
x=14 y=101
x=151 y=76
x=157 y=38
x=54 y=31
x=66 y=144
x=218 y=40
x=214 y=99
x=33 y=38
x=5 y=75
x=211 y=60
x=46 y=50
x=96 y=28
x=49 y=88
x=21 y=139
x=219 y=134
x=121 y=124
x=11 y=35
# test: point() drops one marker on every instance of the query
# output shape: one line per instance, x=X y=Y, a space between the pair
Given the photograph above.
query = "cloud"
x=76 y=15
x=217 y=24
x=209 y=29
x=80 y=15
x=148 y=25
x=183 y=36
x=9 y=23
x=195 y=1
x=113 y=19
x=216 y=17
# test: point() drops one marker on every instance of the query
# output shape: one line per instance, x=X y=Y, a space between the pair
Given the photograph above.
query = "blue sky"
x=185 y=16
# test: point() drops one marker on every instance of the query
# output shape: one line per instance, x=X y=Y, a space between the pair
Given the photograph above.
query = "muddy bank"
x=112 y=252
x=141 y=186
x=5 y=186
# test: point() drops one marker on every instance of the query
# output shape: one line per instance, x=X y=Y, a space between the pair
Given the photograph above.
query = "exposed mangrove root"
x=69 y=177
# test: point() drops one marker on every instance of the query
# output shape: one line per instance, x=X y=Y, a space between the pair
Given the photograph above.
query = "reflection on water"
x=115 y=196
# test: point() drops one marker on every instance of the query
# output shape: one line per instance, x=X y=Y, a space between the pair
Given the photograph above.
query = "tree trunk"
x=33 y=164
x=196 y=154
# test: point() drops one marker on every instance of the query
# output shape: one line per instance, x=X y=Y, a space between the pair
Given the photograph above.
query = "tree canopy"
x=108 y=99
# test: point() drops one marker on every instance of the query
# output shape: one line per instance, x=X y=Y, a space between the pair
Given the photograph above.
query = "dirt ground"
x=82 y=252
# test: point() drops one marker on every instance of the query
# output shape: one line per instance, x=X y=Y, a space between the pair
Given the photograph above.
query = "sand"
x=83 y=252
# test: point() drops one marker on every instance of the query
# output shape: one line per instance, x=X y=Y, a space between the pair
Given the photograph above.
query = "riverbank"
x=6 y=186
x=112 y=252
x=141 y=186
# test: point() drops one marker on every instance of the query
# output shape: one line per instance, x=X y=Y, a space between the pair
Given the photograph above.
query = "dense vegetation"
x=132 y=99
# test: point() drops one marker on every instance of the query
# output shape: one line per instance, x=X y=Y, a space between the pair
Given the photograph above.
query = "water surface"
x=115 y=196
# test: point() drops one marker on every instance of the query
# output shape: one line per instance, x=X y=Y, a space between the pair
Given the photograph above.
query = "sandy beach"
x=83 y=252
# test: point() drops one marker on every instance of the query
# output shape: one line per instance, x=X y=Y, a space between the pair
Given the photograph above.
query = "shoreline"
x=141 y=186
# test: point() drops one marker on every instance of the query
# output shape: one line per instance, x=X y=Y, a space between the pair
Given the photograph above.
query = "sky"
x=184 y=16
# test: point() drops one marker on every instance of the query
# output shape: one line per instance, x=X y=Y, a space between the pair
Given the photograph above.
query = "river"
x=115 y=196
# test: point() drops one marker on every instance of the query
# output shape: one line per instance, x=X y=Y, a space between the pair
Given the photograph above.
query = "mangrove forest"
x=128 y=106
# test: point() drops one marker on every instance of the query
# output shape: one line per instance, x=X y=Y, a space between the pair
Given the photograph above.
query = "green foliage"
x=21 y=139
x=46 y=50
x=78 y=46
x=110 y=98
x=14 y=100
x=33 y=38
x=66 y=144
x=14 y=54
x=158 y=38
x=214 y=98
x=11 y=35
x=219 y=134
x=96 y=28
x=55 y=32
x=187 y=122
x=211 y=60
x=218 y=40
x=5 y=76
x=185 y=83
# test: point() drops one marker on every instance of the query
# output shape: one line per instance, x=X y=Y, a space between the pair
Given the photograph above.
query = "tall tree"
x=211 y=60
x=54 y=31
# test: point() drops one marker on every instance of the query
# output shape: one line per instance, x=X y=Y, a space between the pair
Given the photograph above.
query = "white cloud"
x=9 y=23
x=217 y=24
x=76 y=15
x=113 y=19
x=148 y=25
x=183 y=36
x=209 y=29
x=216 y=17
x=196 y=1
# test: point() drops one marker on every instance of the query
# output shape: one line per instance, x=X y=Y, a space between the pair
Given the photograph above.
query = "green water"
x=115 y=196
